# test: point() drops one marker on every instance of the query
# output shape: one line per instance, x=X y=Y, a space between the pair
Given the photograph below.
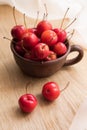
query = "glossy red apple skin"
x=30 y=40
x=42 y=26
x=49 y=37
x=62 y=35
x=31 y=55
x=27 y=103
x=27 y=55
x=32 y=30
x=41 y=51
x=60 y=48
x=51 y=56
x=18 y=32
x=50 y=91
x=19 y=49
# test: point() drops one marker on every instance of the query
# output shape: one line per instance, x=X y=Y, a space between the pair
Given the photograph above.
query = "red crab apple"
x=60 y=48
x=19 y=49
x=32 y=30
x=30 y=40
x=42 y=26
x=18 y=32
x=50 y=91
x=30 y=55
x=51 y=56
x=41 y=51
x=62 y=35
x=27 y=102
x=49 y=37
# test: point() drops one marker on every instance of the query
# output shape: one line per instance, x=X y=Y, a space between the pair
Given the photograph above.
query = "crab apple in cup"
x=27 y=102
x=30 y=55
x=41 y=51
x=32 y=30
x=30 y=40
x=62 y=35
x=51 y=56
x=50 y=91
x=18 y=32
x=43 y=26
x=60 y=48
x=19 y=49
x=49 y=37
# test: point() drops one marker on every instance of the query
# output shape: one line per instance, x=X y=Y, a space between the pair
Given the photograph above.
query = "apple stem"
x=36 y=19
x=15 y=42
x=14 y=15
x=43 y=16
x=24 y=48
x=64 y=17
x=65 y=87
x=70 y=23
x=25 y=20
x=7 y=38
x=71 y=34
x=46 y=12
x=27 y=87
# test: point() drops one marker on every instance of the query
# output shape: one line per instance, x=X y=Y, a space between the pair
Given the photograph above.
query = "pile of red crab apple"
x=42 y=43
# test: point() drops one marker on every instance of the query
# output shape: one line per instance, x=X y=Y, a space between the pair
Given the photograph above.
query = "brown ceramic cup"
x=47 y=68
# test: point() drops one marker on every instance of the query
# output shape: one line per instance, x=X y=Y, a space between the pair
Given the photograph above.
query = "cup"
x=47 y=68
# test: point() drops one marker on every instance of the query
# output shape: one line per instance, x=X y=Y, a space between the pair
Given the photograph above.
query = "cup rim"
x=42 y=62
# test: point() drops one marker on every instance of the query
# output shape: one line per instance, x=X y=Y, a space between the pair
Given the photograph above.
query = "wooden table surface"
x=57 y=115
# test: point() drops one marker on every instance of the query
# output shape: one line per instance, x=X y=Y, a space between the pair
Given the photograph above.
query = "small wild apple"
x=30 y=40
x=18 y=32
x=27 y=55
x=51 y=56
x=31 y=55
x=60 y=48
x=43 y=26
x=41 y=51
x=62 y=35
x=49 y=37
x=32 y=30
x=27 y=102
x=50 y=91
x=19 y=49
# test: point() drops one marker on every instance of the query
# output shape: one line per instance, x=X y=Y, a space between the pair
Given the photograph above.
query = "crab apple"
x=27 y=102
x=41 y=51
x=60 y=48
x=32 y=30
x=19 y=49
x=50 y=91
x=30 y=40
x=62 y=35
x=30 y=55
x=49 y=37
x=42 y=26
x=27 y=55
x=18 y=32
x=51 y=56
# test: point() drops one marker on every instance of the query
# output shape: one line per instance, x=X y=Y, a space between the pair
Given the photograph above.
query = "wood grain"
x=57 y=115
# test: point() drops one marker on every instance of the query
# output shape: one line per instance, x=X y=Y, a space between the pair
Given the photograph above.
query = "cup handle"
x=75 y=48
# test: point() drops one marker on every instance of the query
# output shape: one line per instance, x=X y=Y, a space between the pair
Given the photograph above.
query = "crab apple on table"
x=27 y=102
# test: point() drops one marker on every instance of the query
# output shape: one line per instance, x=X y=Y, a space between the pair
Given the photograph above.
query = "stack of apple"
x=42 y=43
